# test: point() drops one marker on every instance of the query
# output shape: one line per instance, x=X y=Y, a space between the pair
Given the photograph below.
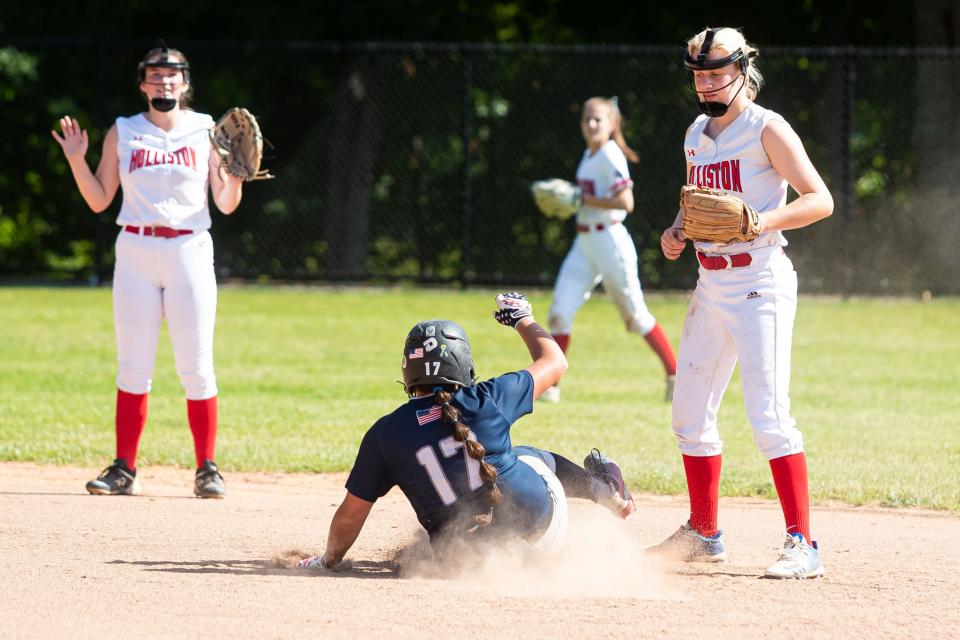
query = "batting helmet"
x=437 y=352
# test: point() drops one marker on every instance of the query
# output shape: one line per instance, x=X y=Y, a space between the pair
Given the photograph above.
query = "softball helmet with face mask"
x=160 y=58
x=702 y=63
x=437 y=352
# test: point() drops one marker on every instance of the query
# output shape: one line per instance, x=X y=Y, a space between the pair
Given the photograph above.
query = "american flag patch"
x=429 y=415
x=416 y=353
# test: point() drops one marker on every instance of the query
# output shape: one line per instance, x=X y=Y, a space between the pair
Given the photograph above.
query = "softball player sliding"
x=449 y=450
x=603 y=250
x=162 y=158
x=745 y=300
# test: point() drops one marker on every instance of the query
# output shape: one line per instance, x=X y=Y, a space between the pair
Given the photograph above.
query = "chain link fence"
x=407 y=162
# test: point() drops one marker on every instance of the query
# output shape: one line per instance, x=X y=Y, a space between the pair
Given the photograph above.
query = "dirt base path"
x=169 y=565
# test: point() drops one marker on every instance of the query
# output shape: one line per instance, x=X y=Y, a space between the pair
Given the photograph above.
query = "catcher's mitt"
x=557 y=198
x=237 y=139
x=711 y=215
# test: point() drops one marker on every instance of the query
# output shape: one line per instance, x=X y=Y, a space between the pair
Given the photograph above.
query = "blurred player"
x=745 y=300
x=603 y=250
x=449 y=450
x=163 y=161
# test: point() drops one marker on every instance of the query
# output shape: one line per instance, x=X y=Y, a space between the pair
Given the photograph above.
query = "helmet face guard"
x=701 y=63
x=162 y=62
x=437 y=352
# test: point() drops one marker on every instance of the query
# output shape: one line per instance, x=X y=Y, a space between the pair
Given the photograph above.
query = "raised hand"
x=512 y=307
x=74 y=141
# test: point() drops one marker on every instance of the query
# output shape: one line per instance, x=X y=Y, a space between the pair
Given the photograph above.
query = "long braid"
x=461 y=433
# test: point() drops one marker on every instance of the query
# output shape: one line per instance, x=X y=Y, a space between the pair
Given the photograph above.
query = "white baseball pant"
x=173 y=278
x=744 y=313
x=552 y=540
x=608 y=256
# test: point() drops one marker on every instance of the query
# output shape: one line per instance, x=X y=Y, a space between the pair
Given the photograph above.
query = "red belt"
x=586 y=228
x=724 y=261
x=160 y=232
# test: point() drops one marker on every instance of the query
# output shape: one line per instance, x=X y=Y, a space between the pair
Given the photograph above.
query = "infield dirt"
x=166 y=564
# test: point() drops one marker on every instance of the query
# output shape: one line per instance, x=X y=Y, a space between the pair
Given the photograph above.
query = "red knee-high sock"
x=130 y=419
x=658 y=341
x=703 y=485
x=790 y=479
x=202 y=415
x=563 y=340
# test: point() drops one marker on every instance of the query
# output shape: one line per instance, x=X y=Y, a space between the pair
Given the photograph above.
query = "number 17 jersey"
x=413 y=448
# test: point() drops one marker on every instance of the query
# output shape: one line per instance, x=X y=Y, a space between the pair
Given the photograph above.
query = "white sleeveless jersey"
x=165 y=174
x=603 y=175
x=737 y=162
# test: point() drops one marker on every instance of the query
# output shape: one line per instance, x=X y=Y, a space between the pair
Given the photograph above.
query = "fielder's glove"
x=512 y=307
x=557 y=198
x=711 y=215
x=236 y=137
x=318 y=562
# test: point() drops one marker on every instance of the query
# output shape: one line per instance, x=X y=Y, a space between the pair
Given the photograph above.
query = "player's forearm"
x=621 y=201
x=548 y=358
x=345 y=527
x=339 y=541
x=678 y=221
x=805 y=210
x=227 y=194
x=91 y=190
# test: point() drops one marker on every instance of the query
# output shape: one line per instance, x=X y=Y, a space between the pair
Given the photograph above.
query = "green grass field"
x=304 y=371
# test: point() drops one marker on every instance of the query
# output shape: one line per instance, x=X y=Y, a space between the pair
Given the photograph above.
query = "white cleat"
x=551 y=394
x=798 y=560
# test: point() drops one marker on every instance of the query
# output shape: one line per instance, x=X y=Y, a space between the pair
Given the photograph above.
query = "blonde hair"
x=613 y=105
x=728 y=40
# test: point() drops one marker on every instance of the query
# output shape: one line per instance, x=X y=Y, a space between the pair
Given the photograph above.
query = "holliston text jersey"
x=736 y=162
x=164 y=174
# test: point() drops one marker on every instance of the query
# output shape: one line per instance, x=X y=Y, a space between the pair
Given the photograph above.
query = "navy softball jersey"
x=414 y=449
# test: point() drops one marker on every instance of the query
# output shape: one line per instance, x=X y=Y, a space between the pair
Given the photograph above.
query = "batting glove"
x=512 y=307
x=318 y=562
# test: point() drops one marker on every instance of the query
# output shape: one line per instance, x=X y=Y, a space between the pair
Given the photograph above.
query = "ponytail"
x=461 y=433
x=632 y=155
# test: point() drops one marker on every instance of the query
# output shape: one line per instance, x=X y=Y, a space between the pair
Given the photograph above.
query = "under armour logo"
x=691 y=152
x=121 y=481
x=753 y=295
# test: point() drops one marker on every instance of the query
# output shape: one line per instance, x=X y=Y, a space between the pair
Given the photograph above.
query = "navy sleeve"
x=369 y=479
x=513 y=394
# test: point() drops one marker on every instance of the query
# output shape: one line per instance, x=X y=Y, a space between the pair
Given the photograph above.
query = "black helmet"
x=437 y=352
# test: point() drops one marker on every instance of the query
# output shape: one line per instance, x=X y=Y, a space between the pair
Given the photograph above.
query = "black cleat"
x=209 y=482
x=115 y=480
